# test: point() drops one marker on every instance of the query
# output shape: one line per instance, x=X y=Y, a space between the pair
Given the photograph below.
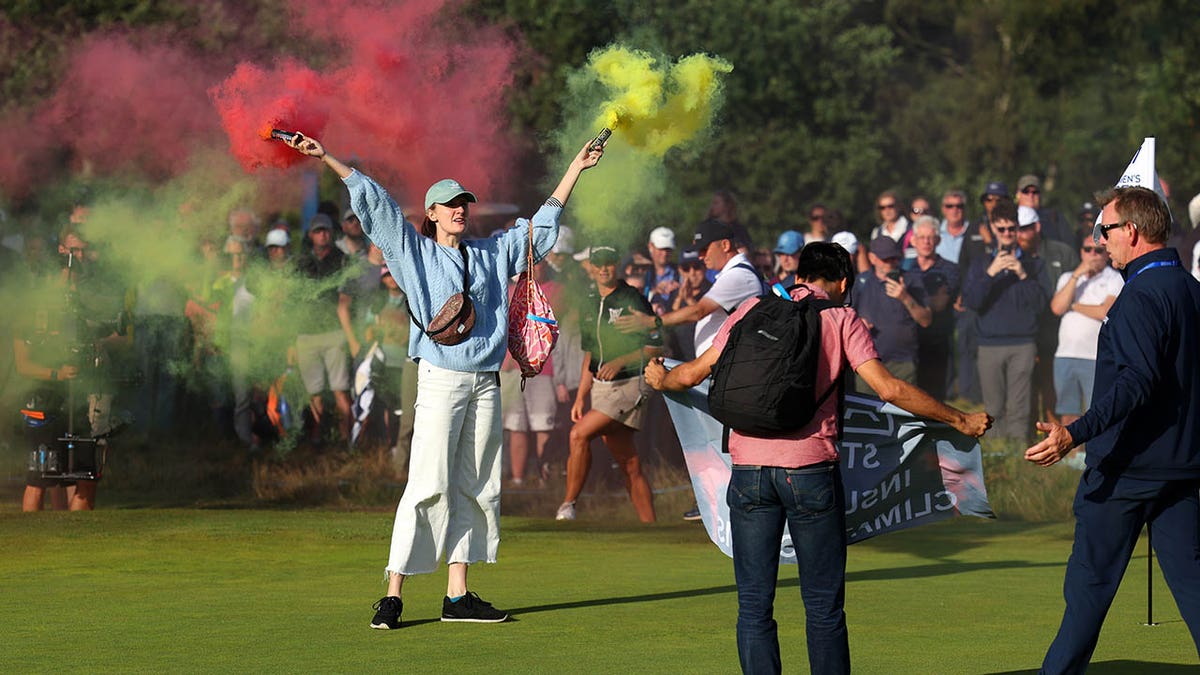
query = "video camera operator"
x=66 y=342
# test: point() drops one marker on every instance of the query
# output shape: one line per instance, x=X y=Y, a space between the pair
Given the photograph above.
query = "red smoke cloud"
x=416 y=94
x=410 y=90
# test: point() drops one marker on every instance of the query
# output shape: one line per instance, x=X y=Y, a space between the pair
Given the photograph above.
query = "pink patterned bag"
x=532 y=328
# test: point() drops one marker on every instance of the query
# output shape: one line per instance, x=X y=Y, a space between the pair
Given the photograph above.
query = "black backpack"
x=764 y=382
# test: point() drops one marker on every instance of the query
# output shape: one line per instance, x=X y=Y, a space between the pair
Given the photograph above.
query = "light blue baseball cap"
x=446 y=190
x=789 y=243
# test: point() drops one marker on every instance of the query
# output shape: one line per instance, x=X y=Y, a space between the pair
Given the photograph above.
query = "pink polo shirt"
x=845 y=338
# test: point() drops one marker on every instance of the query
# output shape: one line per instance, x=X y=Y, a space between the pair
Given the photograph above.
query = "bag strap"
x=462 y=249
x=529 y=274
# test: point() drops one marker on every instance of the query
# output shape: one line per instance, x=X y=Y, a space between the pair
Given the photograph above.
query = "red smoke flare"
x=411 y=105
x=291 y=97
x=413 y=93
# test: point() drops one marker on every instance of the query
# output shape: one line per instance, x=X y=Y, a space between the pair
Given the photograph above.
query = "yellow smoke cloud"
x=653 y=104
x=657 y=106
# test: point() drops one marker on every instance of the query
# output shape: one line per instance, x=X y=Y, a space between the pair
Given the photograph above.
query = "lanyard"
x=1160 y=263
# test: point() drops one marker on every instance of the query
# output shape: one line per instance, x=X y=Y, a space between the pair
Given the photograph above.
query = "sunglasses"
x=1031 y=191
x=1094 y=249
x=991 y=199
x=817 y=216
x=887 y=206
x=918 y=211
x=693 y=266
x=1111 y=226
x=957 y=205
x=1006 y=230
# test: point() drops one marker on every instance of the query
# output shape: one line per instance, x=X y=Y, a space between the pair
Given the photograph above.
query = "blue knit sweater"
x=429 y=273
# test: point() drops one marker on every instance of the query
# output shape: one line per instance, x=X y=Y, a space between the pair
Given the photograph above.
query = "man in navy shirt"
x=893 y=305
x=1005 y=292
x=1142 y=432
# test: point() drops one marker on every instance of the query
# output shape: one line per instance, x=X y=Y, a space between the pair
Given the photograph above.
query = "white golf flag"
x=1141 y=172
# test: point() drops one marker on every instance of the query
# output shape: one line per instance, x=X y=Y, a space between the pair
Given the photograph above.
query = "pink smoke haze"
x=123 y=107
x=415 y=95
x=28 y=150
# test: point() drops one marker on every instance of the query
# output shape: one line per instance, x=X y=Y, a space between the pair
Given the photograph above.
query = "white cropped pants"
x=451 y=505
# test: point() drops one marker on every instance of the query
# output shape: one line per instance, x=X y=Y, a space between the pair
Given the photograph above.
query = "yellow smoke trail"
x=654 y=105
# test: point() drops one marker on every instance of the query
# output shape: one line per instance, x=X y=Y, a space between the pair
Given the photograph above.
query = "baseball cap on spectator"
x=320 y=222
x=565 y=242
x=689 y=256
x=1028 y=180
x=1088 y=210
x=709 y=231
x=445 y=190
x=995 y=189
x=662 y=237
x=885 y=247
x=603 y=255
x=348 y=214
x=278 y=238
x=789 y=243
x=1026 y=216
x=846 y=240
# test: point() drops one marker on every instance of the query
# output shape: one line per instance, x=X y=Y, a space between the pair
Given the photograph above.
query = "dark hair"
x=824 y=260
x=428 y=228
x=730 y=200
x=1146 y=210
x=1004 y=210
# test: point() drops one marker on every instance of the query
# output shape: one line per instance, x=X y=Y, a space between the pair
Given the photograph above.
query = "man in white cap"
x=662 y=279
x=1054 y=226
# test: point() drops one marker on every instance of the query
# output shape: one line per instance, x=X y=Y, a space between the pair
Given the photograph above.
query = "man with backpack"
x=792 y=476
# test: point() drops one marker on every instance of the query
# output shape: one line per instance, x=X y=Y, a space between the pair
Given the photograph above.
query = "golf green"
x=135 y=590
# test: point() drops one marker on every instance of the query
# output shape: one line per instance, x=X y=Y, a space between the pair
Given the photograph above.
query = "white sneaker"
x=566 y=512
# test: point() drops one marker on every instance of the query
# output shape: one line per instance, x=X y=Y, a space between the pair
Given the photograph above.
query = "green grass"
x=153 y=590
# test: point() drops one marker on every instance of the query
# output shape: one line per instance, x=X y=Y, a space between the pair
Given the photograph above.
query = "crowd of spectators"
x=995 y=302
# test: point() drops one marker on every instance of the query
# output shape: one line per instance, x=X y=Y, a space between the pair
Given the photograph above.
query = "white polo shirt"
x=1078 y=334
x=733 y=286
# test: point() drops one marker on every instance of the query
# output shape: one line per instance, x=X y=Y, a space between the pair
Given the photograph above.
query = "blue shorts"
x=1073 y=380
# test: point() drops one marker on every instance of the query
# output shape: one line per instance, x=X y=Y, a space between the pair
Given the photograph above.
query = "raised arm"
x=313 y=148
x=588 y=156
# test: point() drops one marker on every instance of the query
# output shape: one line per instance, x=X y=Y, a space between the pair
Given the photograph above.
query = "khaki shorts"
x=320 y=355
x=534 y=409
x=622 y=400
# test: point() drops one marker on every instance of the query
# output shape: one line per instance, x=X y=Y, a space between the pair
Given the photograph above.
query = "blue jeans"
x=1110 y=512
x=812 y=503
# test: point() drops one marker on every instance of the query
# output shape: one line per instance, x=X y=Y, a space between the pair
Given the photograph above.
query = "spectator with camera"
x=1005 y=292
x=894 y=306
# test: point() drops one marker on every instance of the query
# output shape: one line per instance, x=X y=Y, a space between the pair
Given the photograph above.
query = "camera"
x=894 y=275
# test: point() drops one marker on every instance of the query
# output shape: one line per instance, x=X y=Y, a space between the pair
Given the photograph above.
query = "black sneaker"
x=387 y=613
x=692 y=515
x=473 y=609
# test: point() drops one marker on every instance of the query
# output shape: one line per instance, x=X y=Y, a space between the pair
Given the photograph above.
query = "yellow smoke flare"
x=654 y=106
